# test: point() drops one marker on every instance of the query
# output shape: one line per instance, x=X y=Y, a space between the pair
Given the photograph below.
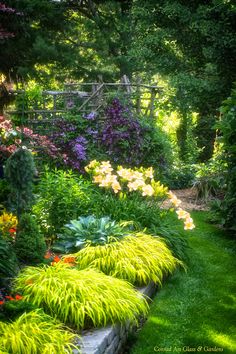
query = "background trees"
x=190 y=45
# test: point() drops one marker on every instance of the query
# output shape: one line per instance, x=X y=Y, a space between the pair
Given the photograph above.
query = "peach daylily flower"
x=133 y=186
x=147 y=190
x=182 y=214
x=116 y=186
x=125 y=174
x=97 y=179
x=188 y=224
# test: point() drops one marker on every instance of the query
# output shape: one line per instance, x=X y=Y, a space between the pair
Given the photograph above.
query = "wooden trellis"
x=84 y=98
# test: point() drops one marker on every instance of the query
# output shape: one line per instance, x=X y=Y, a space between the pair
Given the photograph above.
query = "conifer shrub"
x=20 y=171
x=80 y=298
x=30 y=245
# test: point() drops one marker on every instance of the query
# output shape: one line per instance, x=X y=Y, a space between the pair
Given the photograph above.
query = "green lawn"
x=198 y=308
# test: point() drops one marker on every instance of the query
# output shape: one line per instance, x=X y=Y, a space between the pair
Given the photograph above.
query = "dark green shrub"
x=228 y=129
x=8 y=262
x=20 y=171
x=30 y=245
x=13 y=309
x=179 y=177
x=156 y=150
x=4 y=191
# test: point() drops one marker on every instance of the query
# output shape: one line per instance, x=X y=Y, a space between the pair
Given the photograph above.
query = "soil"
x=189 y=198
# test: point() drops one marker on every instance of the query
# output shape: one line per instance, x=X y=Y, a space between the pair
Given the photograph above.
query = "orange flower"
x=56 y=259
x=69 y=260
x=9 y=297
x=18 y=297
x=1 y=302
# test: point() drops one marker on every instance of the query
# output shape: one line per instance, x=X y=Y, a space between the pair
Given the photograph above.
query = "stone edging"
x=111 y=339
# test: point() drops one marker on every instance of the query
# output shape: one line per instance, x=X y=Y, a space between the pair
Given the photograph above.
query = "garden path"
x=196 y=311
x=189 y=199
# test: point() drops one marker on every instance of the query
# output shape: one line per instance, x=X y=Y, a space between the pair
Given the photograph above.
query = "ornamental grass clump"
x=138 y=258
x=81 y=298
x=35 y=333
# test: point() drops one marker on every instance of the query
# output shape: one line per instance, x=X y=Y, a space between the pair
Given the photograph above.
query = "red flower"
x=1 y=302
x=9 y=297
x=18 y=297
x=56 y=259
x=12 y=230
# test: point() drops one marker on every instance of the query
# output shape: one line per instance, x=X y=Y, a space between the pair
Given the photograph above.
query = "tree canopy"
x=189 y=44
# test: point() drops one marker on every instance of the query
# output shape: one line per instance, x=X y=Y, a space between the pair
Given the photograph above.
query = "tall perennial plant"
x=127 y=180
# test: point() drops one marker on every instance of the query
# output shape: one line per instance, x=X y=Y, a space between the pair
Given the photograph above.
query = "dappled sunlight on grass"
x=159 y=321
x=223 y=340
x=197 y=308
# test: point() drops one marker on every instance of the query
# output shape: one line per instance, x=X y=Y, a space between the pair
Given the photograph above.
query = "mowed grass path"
x=196 y=311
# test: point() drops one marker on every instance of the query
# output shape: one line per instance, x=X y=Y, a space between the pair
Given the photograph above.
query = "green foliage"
x=90 y=231
x=228 y=129
x=8 y=262
x=30 y=245
x=35 y=332
x=11 y=310
x=175 y=240
x=132 y=207
x=62 y=196
x=4 y=191
x=179 y=176
x=191 y=44
x=20 y=170
x=156 y=147
x=81 y=298
x=210 y=179
x=138 y=258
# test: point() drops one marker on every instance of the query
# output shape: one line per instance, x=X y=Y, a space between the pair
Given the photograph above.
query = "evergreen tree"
x=30 y=245
x=20 y=171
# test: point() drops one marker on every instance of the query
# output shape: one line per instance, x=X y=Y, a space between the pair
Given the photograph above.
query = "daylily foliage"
x=128 y=180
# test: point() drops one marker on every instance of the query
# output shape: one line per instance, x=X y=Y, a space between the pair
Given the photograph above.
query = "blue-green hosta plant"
x=35 y=333
x=92 y=231
x=80 y=298
x=138 y=258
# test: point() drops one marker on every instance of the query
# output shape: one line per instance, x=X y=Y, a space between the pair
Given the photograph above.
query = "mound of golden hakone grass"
x=35 y=333
x=138 y=258
x=81 y=298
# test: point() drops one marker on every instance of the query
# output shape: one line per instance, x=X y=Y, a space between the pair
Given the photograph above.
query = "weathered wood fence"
x=84 y=98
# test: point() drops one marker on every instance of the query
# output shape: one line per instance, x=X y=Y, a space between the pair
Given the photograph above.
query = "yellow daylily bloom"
x=91 y=165
x=149 y=173
x=182 y=214
x=147 y=190
x=116 y=186
x=98 y=179
x=188 y=224
x=133 y=186
x=125 y=174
